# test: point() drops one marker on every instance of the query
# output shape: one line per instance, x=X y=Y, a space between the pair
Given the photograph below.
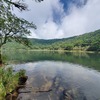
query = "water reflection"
x=70 y=76
x=91 y=60
x=82 y=83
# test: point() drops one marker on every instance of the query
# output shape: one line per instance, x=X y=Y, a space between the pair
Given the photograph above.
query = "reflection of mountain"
x=89 y=60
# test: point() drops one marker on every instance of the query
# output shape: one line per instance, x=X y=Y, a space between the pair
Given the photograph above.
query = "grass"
x=8 y=80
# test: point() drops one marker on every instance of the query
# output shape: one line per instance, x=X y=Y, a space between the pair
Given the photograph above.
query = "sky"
x=62 y=18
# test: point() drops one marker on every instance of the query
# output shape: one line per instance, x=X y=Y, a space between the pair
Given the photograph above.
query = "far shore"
x=42 y=50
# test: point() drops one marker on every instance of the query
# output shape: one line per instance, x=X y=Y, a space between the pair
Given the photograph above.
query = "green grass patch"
x=8 y=80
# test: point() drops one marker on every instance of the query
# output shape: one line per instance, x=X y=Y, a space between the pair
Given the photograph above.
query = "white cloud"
x=82 y=20
x=75 y=23
x=79 y=21
x=50 y=30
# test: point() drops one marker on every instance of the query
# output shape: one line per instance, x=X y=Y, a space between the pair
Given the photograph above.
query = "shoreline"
x=45 y=50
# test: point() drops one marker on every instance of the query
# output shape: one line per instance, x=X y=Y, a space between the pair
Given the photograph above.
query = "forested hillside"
x=88 y=41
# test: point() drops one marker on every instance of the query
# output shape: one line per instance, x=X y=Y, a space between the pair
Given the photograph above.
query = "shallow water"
x=76 y=73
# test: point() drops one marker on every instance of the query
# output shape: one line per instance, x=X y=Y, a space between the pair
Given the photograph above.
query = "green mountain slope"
x=88 y=41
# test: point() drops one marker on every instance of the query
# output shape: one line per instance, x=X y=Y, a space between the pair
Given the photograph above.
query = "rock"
x=22 y=80
x=46 y=86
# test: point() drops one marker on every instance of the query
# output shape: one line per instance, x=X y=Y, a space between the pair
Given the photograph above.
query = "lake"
x=57 y=75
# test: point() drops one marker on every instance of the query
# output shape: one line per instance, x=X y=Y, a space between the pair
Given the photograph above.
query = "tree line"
x=88 y=41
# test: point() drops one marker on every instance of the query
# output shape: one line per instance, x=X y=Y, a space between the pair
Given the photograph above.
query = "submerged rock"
x=73 y=94
x=66 y=95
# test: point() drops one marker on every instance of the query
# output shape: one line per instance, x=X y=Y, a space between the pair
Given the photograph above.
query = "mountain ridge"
x=88 y=41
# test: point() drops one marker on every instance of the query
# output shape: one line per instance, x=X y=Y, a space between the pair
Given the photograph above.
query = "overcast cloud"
x=54 y=21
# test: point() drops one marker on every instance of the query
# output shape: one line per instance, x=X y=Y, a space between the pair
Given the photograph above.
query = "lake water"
x=51 y=75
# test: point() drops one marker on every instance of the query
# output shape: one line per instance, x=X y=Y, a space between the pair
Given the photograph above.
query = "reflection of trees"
x=80 y=54
x=90 y=60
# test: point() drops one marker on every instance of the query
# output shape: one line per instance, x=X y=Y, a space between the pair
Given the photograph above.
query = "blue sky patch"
x=77 y=3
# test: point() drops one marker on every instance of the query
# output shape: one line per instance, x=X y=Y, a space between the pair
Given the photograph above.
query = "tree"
x=95 y=46
x=18 y=4
x=12 y=27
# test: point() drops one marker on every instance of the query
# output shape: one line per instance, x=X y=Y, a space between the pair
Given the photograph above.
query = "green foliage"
x=81 y=42
x=8 y=80
x=94 y=47
x=89 y=41
x=68 y=47
x=12 y=27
